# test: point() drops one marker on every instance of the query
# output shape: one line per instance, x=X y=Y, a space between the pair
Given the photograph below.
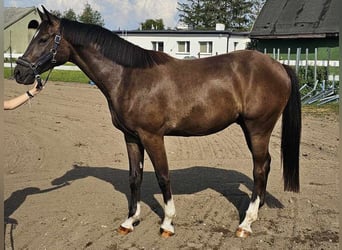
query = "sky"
x=117 y=14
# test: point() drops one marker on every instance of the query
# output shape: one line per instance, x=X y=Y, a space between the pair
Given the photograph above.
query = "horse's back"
x=244 y=82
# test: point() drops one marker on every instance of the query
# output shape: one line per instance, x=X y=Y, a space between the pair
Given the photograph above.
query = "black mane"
x=111 y=45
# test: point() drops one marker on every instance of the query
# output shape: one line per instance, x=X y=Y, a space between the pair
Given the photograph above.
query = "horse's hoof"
x=242 y=233
x=166 y=234
x=123 y=231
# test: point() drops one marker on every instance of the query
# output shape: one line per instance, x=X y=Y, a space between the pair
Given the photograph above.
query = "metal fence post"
x=278 y=54
x=315 y=66
x=328 y=66
x=298 y=59
x=306 y=63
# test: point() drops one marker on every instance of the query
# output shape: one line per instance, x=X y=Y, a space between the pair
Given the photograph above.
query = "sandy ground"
x=66 y=182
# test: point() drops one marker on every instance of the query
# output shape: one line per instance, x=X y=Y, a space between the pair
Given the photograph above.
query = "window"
x=33 y=24
x=206 y=47
x=158 y=46
x=32 y=29
x=184 y=47
x=235 y=45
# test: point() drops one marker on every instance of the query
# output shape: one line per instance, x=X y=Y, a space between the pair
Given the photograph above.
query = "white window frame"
x=209 y=47
x=156 y=45
x=186 y=47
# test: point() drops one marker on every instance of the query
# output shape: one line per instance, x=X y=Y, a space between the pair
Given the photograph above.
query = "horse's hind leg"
x=258 y=141
x=136 y=161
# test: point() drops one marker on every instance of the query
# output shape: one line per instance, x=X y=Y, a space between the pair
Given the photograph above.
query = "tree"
x=237 y=15
x=91 y=16
x=57 y=13
x=152 y=24
x=191 y=13
x=70 y=14
x=88 y=15
x=257 y=6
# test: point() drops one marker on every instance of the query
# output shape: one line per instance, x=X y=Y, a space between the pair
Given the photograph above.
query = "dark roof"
x=13 y=14
x=297 y=19
x=187 y=32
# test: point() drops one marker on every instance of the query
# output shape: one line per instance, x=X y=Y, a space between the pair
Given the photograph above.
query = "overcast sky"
x=117 y=14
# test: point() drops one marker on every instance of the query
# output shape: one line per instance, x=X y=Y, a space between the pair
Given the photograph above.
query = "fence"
x=319 y=79
x=320 y=93
x=10 y=58
x=318 y=89
x=310 y=59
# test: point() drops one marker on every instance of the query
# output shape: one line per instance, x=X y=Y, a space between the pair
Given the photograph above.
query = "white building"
x=188 y=43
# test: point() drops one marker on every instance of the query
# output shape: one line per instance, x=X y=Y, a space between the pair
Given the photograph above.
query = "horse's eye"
x=43 y=39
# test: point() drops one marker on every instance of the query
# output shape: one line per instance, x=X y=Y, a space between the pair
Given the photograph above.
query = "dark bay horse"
x=151 y=95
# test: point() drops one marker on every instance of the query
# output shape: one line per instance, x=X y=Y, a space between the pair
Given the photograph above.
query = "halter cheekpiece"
x=49 y=57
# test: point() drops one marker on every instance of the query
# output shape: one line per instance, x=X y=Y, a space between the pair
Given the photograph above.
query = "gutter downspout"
x=227 y=48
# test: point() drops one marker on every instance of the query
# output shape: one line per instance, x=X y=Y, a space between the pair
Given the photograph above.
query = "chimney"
x=220 y=26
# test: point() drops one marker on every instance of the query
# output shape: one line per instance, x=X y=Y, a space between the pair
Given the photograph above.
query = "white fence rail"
x=15 y=56
x=319 y=94
x=300 y=62
x=285 y=61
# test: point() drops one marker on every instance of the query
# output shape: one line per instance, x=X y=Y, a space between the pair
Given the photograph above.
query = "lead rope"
x=40 y=84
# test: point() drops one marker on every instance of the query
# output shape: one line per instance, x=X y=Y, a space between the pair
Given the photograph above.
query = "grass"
x=59 y=75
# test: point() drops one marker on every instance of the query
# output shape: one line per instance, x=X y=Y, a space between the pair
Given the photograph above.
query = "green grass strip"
x=58 y=75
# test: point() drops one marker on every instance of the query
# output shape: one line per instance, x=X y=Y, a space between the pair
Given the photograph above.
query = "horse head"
x=46 y=50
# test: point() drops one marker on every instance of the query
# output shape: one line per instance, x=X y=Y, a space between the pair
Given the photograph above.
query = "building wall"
x=18 y=35
x=220 y=43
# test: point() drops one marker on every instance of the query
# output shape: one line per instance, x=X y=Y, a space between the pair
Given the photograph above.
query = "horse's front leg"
x=154 y=145
x=136 y=161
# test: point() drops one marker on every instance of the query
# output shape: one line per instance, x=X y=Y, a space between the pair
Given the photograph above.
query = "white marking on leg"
x=251 y=215
x=170 y=213
x=131 y=220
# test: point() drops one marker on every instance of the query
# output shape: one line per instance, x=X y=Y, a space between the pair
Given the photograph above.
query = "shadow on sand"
x=13 y=202
x=183 y=181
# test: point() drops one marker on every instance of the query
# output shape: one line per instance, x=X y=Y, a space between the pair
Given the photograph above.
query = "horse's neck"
x=98 y=68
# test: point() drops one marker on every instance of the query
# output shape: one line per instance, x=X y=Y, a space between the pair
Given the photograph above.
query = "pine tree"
x=70 y=14
x=191 y=13
x=87 y=16
x=90 y=16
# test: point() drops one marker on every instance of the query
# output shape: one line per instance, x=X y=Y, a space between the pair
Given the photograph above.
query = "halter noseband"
x=49 y=57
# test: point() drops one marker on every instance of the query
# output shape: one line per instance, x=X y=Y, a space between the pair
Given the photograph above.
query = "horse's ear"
x=41 y=14
x=48 y=16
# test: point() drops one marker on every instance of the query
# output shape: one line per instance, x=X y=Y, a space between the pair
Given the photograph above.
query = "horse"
x=151 y=95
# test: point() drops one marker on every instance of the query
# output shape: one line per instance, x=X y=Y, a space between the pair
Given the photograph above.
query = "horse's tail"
x=290 y=135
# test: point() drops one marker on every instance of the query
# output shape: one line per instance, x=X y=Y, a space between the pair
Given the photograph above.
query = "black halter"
x=36 y=67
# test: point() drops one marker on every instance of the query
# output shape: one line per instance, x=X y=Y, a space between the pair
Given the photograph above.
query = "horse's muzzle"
x=24 y=75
